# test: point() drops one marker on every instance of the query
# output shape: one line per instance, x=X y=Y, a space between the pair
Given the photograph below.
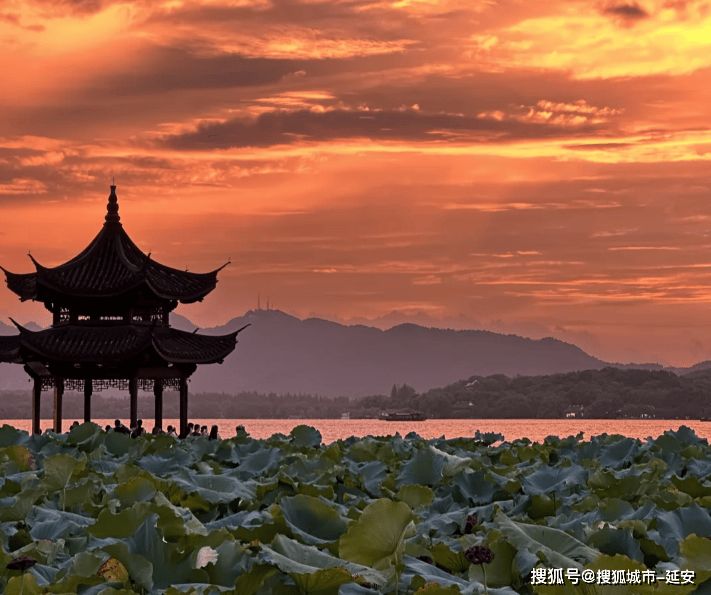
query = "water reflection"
x=333 y=429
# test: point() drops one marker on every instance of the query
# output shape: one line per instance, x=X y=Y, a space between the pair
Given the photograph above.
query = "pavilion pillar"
x=36 y=400
x=58 y=394
x=87 y=399
x=133 y=392
x=158 y=393
x=183 y=405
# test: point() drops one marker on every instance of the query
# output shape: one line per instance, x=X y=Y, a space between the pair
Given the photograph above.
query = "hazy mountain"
x=282 y=353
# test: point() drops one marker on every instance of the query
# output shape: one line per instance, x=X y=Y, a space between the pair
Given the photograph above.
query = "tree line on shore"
x=594 y=394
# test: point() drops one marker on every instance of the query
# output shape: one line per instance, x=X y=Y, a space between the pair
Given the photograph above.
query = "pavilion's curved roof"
x=112 y=344
x=10 y=349
x=110 y=266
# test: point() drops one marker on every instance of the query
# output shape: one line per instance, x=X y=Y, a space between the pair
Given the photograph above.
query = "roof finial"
x=112 y=215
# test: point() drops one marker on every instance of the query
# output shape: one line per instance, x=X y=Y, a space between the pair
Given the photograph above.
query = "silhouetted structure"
x=110 y=307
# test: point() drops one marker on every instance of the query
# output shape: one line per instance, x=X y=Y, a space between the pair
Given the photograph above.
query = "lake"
x=333 y=429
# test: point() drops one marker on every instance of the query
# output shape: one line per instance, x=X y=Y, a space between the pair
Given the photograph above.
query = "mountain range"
x=283 y=354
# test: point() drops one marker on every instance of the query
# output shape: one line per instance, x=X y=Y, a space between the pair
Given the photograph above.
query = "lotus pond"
x=102 y=513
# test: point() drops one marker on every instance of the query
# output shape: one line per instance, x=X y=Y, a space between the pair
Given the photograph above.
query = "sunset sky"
x=539 y=168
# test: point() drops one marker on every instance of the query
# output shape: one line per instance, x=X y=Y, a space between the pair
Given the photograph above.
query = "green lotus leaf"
x=214 y=489
x=474 y=486
x=163 y=443
x=437 y=589
x=52 y=524
x=259 y=463
x=310 y=489
x=322 y=582
x=175 y=521
x=88 y=434
x=11 y=436
x=362 y=451
x=294 y=557
x=488 y=437
x=424 y=468
x=416 y=496
x=452 y=463
x=451 y=560
x=541 y=506
x=378 y=535
x=23 y=585
x=545 y=480
x=305 y=436
x=680 y=523
x=122 y=524
x=232 y=561
x=655 y=545
x=429 y=573
x=117 y=443
x=83 y=571
x=166 y=462
x=252 y=525
x=370 y=475
x=686 y=435
x=612 y=541
x=692 y=485
x=44 y=551
x=60 y=468
x=138 y=567
x=151 y=561
x=248 y=582
x=22 y=505
x=619 y=452
x=607 y=485
x=136 y=489
x=21 y=455
x=313 y=520
x=81 y=492
x=696 y=555
x=558 y=548
x=500 y=572
x=113 y=571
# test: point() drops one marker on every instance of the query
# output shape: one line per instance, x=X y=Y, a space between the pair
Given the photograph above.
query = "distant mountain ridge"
x=284 y=354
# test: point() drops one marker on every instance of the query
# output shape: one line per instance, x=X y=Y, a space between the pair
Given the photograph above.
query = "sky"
x=538 y=168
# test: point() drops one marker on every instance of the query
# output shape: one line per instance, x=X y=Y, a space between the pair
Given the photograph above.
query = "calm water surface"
x=333 y=429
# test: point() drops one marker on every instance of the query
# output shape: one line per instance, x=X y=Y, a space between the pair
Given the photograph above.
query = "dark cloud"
x=628 y=12
x=180 y=69
x=62 y=8
x=14 y=18
x=598 y=146
x=10 y=17
x=284 y=127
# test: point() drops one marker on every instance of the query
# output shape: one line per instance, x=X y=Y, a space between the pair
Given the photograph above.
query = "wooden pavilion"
x=110 y=307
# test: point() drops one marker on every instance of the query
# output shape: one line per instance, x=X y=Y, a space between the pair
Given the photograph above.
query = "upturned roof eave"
x=28 y=342
x=215 y=349
x=10 y=349
x=229 y=343
x=13 y=279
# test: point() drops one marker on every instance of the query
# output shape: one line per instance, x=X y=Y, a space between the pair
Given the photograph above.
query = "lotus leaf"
x=314 y=521
x=559 y=549
x=23 y=585
x=416 y=496
x=424 y=468
x=375 y=539
x=305 y=436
